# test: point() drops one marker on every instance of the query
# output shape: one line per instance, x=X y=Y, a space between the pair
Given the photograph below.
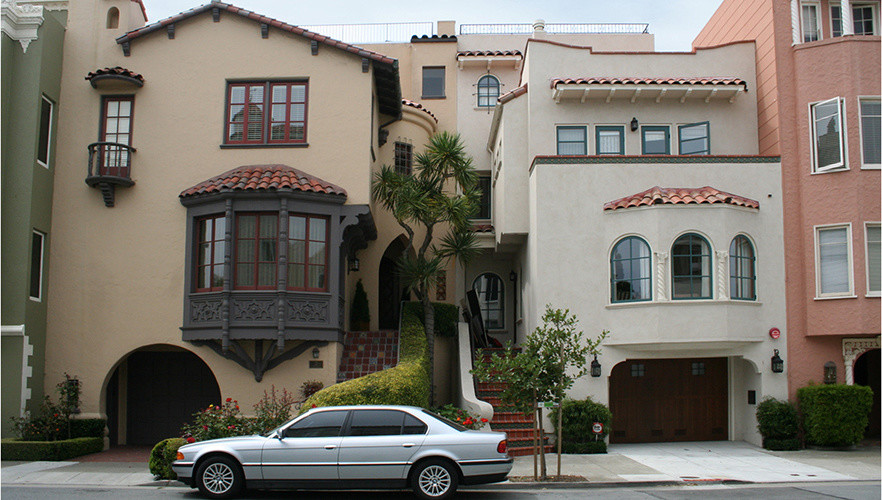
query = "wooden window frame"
x=307 y=265
x=655 y=128
x=266 y=117
x=609 y=128
x=584 y=140
x=211 y=265
x=707 y=137
x=403 y=158
x=256 y=263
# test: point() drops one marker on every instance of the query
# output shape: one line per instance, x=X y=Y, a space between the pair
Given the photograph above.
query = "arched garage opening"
x=153 y=391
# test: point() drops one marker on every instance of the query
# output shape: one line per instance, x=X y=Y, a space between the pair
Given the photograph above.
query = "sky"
x=675 y=23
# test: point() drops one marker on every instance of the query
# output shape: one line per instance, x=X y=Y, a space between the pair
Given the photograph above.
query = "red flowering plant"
x=460 y=416
x=217 y=421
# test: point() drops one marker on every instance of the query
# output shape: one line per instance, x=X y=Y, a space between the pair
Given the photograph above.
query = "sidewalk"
x=633 y=464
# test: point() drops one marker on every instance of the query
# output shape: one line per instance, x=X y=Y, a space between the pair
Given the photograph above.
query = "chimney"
x=539 y=28
x=446 y=28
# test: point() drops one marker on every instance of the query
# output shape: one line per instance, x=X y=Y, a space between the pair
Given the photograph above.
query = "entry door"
x=307 y=450
x=659 y=400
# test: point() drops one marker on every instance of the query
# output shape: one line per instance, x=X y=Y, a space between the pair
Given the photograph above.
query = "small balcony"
x=110 y=165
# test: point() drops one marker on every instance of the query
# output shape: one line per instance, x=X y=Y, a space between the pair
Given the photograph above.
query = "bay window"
x=307 y=253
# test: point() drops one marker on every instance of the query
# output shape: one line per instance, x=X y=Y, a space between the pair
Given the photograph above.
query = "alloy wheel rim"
x=434 y=480
x=218 y=478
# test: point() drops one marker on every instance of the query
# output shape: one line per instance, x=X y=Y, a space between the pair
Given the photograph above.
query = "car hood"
x=238 y=440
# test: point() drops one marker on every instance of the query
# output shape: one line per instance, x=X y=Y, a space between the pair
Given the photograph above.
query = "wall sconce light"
x=513 y=276
x=353 y=264
x=777 y=363
x=595 y=367
x=829 y=372
x=315 y=353
x=634 y=124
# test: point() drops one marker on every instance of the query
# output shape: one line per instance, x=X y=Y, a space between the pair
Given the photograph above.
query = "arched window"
x=630 y=271
x=488 y=91
x=112 y=18
x=491 y=296
x=742 y=269
x=691 y=268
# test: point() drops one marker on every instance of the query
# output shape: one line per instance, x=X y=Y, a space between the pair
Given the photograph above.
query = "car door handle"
x=407 y=445
x=330 y=446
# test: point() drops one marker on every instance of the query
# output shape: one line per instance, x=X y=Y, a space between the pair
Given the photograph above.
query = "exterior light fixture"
x=829 y=372
x=777 y=363
x=353 y=264
x=595 y=367
x=634 y=124
x=315 y=353
x=513 y=276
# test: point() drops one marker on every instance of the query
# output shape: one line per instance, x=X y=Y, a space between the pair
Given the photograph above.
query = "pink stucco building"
x=819 y=108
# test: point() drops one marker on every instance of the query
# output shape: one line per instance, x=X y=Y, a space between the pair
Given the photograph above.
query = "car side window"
x=413 y=425
x=323 y=424
x=376 y=423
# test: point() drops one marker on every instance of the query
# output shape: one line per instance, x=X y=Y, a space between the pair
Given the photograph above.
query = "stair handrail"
x=468 y=400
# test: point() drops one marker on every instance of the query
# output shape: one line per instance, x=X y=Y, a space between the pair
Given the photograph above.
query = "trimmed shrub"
x=87 y=427
x=405 y=384
x=162 y=456
x=446 y=317
x=16 y=449
x=835 y=414
x=778 y=424
x=578 y=420
x=360 y=313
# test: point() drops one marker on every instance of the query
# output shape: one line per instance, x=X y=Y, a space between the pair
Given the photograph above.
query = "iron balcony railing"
x=564 y=28
x=110 y=159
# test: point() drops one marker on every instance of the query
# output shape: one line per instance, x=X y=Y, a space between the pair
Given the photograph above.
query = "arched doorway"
x=866 y=372
x=391 y=292
x=154 y=391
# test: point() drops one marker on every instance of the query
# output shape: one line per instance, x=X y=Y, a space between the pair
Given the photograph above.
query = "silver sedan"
x=349 y=447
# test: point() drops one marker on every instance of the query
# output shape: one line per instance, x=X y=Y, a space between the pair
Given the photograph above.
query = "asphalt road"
x=864 y=490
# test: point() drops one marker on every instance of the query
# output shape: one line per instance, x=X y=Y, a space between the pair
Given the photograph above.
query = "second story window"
x=488 y=91
x=45 y=138
x=811 y=27
x=571 y=141
x=610 y=140
x=433 y=82
x=307 y=253
x=833 y=261
x=266 y=113
x=116 y=132
x=404 y=158
x=695 y=139
x=691 y=268
x=871 y=132
x=826 y=122
x=210 y=251
x=656 y=139
x=863 y=17
x=742 y=269
x=257 y=237
x=486 y=188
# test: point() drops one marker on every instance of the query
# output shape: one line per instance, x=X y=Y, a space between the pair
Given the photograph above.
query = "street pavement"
x=655 y=464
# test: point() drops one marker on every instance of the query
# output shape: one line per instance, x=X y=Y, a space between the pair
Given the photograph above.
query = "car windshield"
x=445 y=420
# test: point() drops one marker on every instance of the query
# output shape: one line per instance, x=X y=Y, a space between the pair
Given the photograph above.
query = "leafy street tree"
x=548 y=363
x=441 y=196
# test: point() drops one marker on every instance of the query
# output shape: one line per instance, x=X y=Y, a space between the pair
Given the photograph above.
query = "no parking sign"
x=597 y=428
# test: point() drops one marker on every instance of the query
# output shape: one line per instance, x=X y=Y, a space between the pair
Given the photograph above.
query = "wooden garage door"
x=658 y=400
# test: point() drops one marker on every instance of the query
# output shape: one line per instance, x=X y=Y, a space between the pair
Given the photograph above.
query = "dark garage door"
x=658 y=400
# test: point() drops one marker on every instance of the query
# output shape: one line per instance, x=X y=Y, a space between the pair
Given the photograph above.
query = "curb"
x=599 y=484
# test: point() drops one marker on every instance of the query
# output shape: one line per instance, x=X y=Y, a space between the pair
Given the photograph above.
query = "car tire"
x=434 y=480
x=219 y=477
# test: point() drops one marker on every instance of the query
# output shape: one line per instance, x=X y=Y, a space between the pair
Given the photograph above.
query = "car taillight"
x=179 y=456
x=502 y=447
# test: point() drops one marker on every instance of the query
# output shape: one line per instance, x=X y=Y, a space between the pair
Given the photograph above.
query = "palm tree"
x=442 y=194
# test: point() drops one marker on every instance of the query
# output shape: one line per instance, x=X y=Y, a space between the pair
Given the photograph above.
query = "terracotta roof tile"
x=433 y=38
x=263 y=177
x=648 y=81
x=115 y=71
x=482 y=228
x=488 y=53
x=416 y=105
x=680 y=196
x=504 y=98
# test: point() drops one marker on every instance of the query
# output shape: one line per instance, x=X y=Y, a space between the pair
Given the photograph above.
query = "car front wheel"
x=435 y=480
x=219 y=477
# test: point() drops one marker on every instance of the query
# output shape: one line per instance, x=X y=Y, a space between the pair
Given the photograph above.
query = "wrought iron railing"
x=373 y=32
x=110 y=159
x=565 y=28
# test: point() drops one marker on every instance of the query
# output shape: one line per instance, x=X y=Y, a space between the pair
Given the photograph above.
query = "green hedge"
x=778 y=425
x=578 y=420
x=835 y=414
x=446 y=317
x=16 y=449
x=162 y=456
x=405 y=384
x=87 y=427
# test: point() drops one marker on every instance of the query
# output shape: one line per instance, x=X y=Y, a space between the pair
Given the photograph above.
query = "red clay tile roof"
x=680 y=196
x=115 y=71
x=648 y=81
x=131 y=35
x=143 y=9
x=482 y=228
x=433 y=38
x=504 y=98
x=412 y=104
x=263 y=177
x=488 y=53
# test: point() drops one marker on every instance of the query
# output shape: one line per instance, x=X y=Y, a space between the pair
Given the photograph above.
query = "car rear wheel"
x=435 y=480
x=219 y=477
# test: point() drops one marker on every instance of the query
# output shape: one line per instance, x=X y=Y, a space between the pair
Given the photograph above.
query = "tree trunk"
x=544 y=475
x=429 y=315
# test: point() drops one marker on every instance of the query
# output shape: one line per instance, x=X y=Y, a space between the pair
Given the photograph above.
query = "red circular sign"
x=774 y=333
x=597 y=428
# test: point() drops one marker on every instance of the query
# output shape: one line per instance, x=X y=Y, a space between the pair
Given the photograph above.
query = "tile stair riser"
x=523 y=452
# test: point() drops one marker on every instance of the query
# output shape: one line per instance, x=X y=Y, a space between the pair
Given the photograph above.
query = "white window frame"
x=850 y=266
x=867 y=225
x=861 y=98
x=817 y=7
x=49 y=138
x=874 y=15
x=39 y=297
x=843 y=139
